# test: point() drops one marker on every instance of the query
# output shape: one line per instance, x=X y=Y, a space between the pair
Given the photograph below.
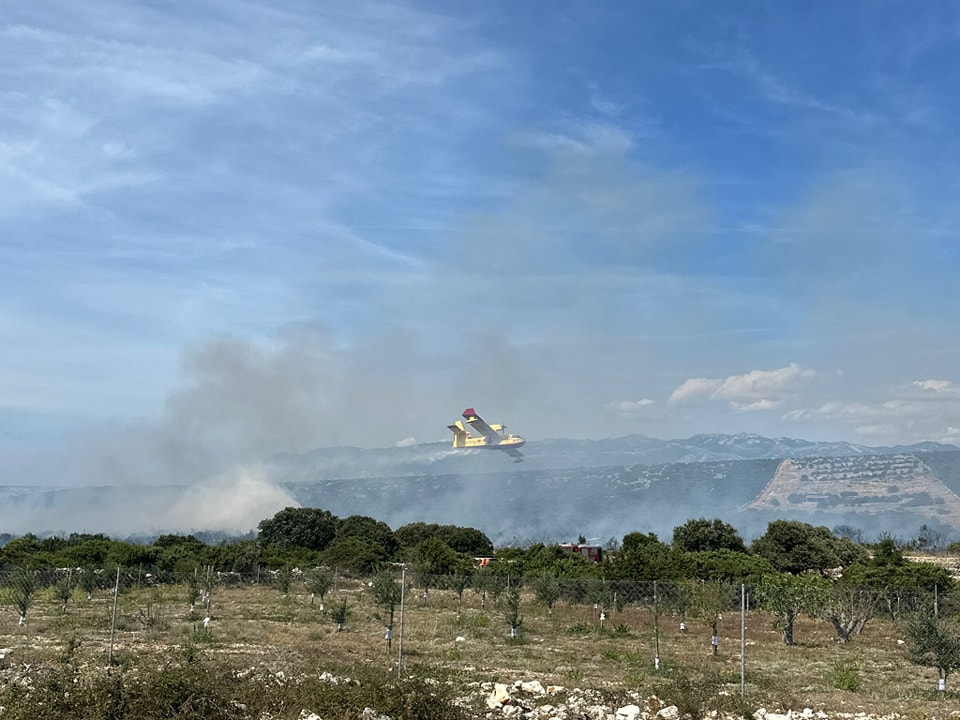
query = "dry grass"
x=256 y=627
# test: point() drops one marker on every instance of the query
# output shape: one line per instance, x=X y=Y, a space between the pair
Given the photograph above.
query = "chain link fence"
x=21 y=590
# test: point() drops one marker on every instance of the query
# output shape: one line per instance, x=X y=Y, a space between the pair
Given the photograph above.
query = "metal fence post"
x=403 y=588
x=113 y=618
x=743 y=635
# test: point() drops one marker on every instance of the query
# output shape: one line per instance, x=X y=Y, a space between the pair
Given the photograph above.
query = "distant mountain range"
x=430 y=458
x=601 y=489
x=604 y=488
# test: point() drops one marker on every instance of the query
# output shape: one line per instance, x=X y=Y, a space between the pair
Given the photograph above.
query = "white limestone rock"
x=499 y=697
x=670 y=712
x=533 y=687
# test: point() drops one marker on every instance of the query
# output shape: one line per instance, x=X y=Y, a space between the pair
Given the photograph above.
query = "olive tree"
x=848 y=607
x=319 y=581
x=934 y=642
x=24 y=588
x=386 y=594
x=546 y=588
x=63 y=590
x=787 y=596
x=512 y=613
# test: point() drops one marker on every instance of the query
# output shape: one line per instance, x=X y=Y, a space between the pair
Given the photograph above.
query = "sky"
x=230 y=229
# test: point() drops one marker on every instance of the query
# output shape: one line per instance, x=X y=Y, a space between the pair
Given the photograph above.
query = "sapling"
x=207 y=583
x=339 y=615
x=386 y=594
x=284 y=578
x=319 y=581
x=63 y=590
x=512 y=614
x=547 y=589
x=24 y=588
x=88 y=581
x=934 y=642
x=193 y=591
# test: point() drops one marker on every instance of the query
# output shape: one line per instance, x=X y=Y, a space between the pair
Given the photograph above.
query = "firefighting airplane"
x=491 y=436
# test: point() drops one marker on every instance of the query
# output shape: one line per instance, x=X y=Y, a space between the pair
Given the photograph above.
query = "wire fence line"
x=93 y=597
x=21 y=586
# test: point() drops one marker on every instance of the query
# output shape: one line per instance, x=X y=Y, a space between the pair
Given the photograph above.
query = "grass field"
x=262 y=655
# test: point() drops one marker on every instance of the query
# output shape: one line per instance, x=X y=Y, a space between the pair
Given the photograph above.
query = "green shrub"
x=198 y=688
x=845 y=675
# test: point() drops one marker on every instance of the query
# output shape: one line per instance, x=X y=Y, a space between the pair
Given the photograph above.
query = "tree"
x=84 y=549
x=24 y=588
x=434 y=557
x=181 y=553
x=310 y=528
x=459 y=582
x=546 y=587
x=412 y=534
x=386 y=594
x=786 y=596
x=466 y=540
x=63 y=590
x=512 y=613
x=898 y=584
x=319 y=581
x=850 y=532
x=704 y=535
x=485 y=581
x=193 y=590
x=241 y=557
x=284 y=578
x=794 y=547
x=340 y=614
x=644 y=557
x=88 y=580
x=934 y=642
x=848 y=607
x=553 y=559
x=355 y=553
x=369 y=530
x=930 y=538
x=130 y=555
x=708 y=601
x=726 y=566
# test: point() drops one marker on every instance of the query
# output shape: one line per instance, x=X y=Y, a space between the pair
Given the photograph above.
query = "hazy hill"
x=597 y=488
x=440 y=458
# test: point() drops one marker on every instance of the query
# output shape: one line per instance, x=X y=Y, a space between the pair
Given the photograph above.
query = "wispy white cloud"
x=777 y=90
x=755 y=390
x=631 y=407
x=938 y=387
x=921 y=410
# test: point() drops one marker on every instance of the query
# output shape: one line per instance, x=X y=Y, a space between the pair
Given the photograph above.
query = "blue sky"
x=233 y=228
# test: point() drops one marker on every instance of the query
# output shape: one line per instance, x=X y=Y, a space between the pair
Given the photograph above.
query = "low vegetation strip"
x=427 y=621
x=243 y=649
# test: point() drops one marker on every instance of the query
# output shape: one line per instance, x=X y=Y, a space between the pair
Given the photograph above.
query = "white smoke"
x=235 y=502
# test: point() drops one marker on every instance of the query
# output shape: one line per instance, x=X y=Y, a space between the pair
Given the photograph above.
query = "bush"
x=201 y=689
x=845 y=675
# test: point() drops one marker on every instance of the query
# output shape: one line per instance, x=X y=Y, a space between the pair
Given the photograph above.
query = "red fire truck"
x=593 y=553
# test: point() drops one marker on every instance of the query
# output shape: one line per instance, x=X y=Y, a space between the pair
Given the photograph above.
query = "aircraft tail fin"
x=460 y=434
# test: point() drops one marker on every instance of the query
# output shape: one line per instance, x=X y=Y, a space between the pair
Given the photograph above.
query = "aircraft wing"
x=513 y=452
x=492 y=436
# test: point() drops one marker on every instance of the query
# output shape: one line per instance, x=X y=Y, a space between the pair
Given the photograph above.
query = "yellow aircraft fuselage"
x=491 y=436
x=463 y=439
